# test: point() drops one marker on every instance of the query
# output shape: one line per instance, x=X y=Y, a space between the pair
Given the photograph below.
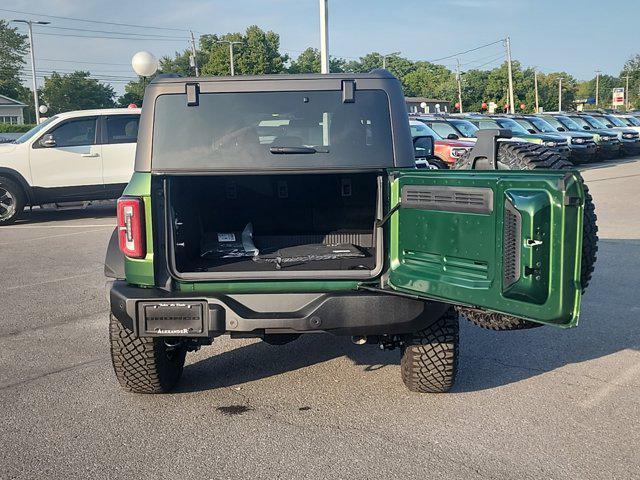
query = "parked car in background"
x=72 y=156
x=630 y=121
x=606 y=141
x=447 y=150
x=582 y=145
x=555 y=142
x=629 y=137
x=450 y=127
x=629 y=140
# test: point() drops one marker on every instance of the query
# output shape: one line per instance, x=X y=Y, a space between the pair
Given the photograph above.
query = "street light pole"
x=384 y=58
x=597 y=87
x=507 y=43
x=459 y=85
x=626 y=94
x=324 y=35
x=560 y=94
x=193 y=52
x=231 y=44
x=535 y=86
x=33 y=64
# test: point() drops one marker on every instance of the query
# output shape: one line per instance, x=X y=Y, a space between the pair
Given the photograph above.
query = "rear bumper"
x=341 y=313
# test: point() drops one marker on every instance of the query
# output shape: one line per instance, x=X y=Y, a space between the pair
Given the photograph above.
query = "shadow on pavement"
x=488 y=359
x=52 y=214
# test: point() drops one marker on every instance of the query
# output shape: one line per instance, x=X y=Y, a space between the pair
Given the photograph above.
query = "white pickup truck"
x=72 y=156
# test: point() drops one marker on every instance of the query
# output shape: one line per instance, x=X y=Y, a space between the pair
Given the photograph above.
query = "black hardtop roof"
x=378 y=74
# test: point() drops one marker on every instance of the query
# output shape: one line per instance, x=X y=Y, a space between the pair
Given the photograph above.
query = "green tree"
x=13 y=46
x=309 y=62
x=75 y=91
x=607 y=83
x=430 y=80
x=257 y=54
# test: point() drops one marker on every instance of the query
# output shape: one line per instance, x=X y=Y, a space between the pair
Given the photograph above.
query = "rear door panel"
x=506 y=241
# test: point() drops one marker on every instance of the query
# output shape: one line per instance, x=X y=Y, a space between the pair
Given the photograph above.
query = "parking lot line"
x=26 y=227
x=47 y=237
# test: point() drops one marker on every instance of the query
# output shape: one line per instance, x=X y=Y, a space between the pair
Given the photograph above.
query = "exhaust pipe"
x=358 y=339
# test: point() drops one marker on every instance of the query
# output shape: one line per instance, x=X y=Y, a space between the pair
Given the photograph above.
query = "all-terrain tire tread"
x=143 y=365
x=430 y=357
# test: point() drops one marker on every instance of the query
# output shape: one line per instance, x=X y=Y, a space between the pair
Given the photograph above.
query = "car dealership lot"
x=528 y=404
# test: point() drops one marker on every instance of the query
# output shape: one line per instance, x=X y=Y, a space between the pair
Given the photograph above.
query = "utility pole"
x=231 y=44
x=384 y=58
x=33 y=64
x=535 y=86
x=560 y=94
x=626 y=94
x=507 y=44
x=458 y=77
x=193 y=54
x=597 y=87
x=324 y=35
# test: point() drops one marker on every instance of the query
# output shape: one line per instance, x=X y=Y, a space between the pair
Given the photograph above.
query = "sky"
x=575 y=36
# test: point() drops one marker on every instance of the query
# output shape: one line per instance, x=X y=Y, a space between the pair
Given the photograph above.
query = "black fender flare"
x=114 y=260
x=15 y=175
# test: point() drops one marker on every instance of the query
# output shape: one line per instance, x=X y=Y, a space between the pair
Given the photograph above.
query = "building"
x=426 y=105
x=11 y=111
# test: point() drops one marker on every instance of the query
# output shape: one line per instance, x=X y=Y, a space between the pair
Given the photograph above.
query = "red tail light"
x=131 y=227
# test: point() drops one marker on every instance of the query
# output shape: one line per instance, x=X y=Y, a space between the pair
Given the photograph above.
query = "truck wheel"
x=528 y=156
x=144 y=365
x=430 y=357
x=12 y=200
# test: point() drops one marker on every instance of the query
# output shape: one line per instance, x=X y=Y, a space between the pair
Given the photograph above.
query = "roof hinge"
x=348 y=91
x=193 y=94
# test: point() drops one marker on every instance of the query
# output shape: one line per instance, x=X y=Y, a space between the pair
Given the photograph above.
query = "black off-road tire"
x=144 y=365
x=13 y=199
x=528 y=156
x=430 y=357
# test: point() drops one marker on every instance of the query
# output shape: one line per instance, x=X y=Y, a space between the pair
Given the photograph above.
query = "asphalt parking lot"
x=542 y=403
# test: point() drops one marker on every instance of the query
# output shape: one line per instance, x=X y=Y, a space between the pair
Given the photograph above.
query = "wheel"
x=144 y=365
x=430 y=357
x=529 y=156
x=439 y=164
x=12 y=200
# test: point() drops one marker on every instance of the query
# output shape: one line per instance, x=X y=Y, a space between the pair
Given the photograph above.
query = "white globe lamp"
x=43 y=109
x=144 y=64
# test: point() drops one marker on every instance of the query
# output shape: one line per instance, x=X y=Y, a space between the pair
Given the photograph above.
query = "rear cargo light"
x=131 y=227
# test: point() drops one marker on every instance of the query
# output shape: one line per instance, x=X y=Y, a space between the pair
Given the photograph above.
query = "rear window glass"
x=281 y=130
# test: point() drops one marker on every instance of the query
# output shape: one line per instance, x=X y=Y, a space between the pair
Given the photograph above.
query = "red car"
x=446 y=150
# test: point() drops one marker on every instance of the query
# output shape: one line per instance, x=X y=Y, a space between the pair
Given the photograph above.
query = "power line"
x=110 y=31
x=466 y=51
x=500 y=57
x=78 y=61
x=75 y=19
x=172 y=39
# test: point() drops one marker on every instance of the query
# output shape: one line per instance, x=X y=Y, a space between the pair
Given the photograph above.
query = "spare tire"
x=530 y=156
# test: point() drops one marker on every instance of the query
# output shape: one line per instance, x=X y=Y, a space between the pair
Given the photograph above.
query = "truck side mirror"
x=586 y=128
x=423 y=146
x=531 y=130
x=452 y=136
x=560 y=129
x=47 y=141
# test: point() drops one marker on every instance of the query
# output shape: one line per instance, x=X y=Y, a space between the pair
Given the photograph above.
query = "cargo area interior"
x=271 y=223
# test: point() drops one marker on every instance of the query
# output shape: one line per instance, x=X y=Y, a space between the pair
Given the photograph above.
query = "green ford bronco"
x=268 y=207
